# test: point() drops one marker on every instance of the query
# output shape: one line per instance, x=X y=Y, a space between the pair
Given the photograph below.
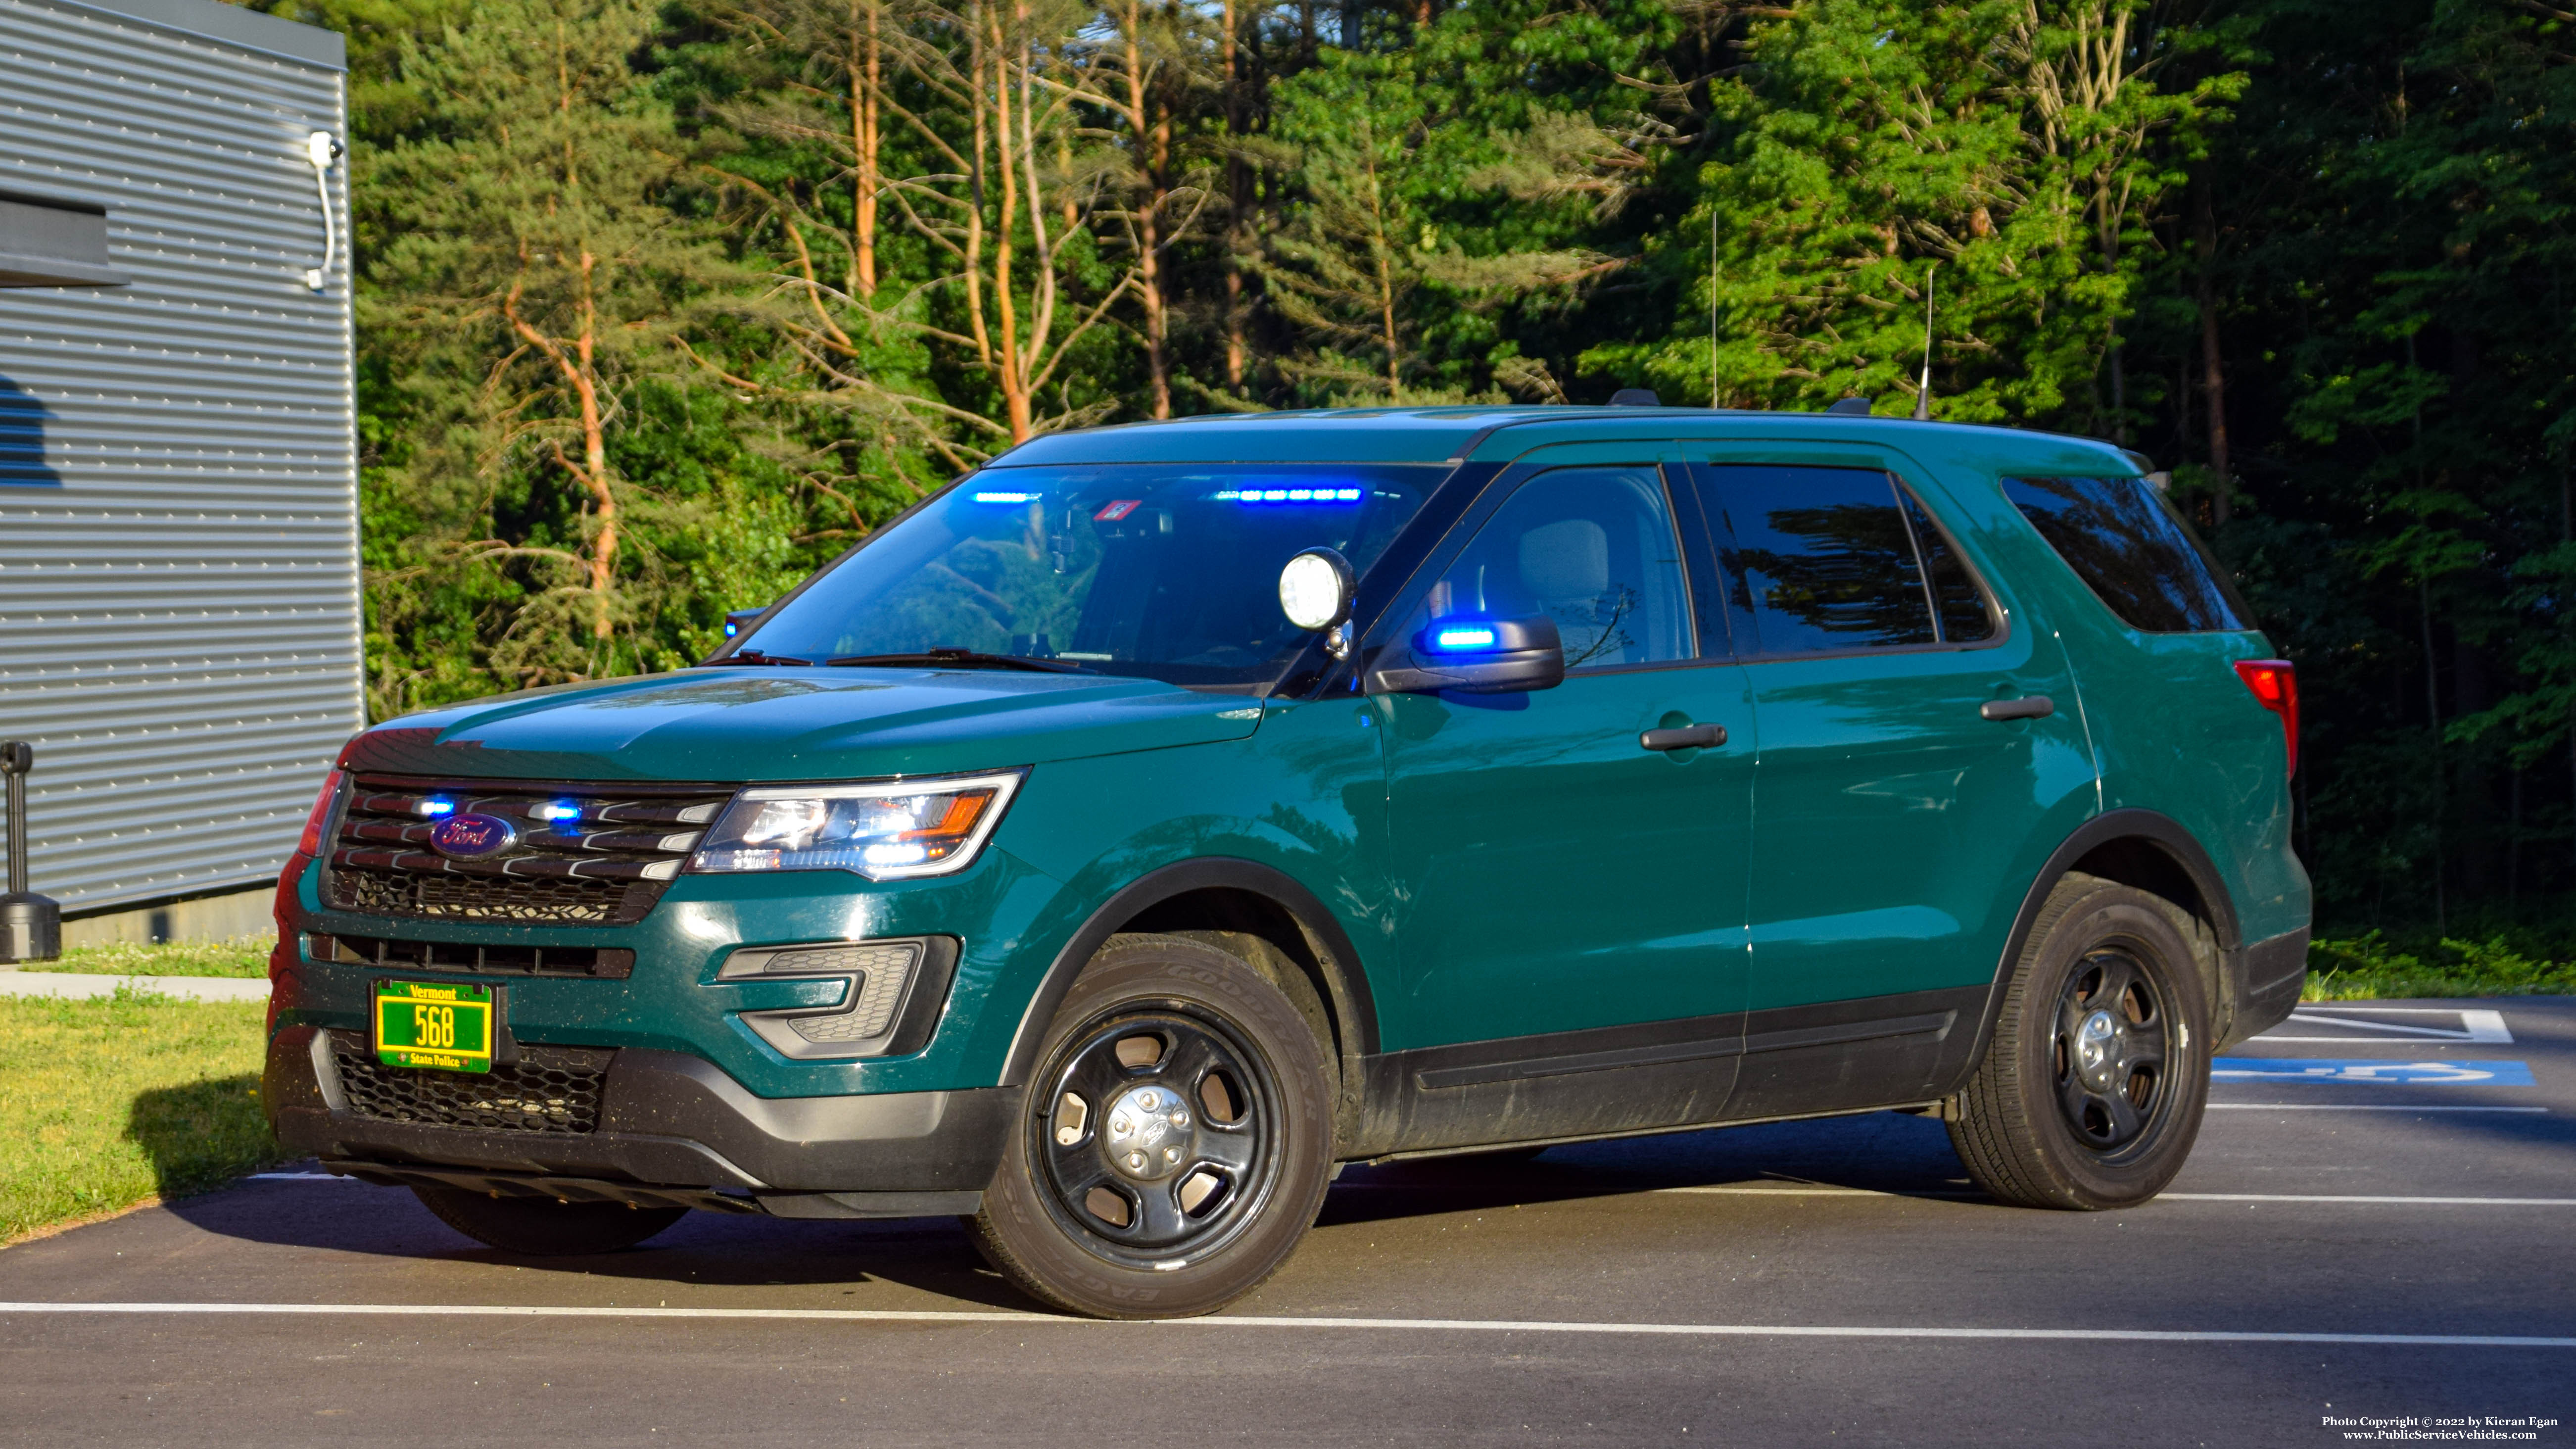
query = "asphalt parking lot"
x=2379 y=1222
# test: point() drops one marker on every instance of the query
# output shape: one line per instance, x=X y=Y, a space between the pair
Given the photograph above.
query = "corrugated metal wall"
x=178 y=552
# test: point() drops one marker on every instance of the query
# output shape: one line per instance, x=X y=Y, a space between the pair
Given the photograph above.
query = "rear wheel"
x=1178 y=1137
x=2092 y=1089
x=541 y=1227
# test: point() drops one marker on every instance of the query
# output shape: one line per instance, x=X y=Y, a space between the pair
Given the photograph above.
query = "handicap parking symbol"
x=2462 y=1073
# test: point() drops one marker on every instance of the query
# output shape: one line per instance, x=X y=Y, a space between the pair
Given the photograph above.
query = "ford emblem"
x=473 y=837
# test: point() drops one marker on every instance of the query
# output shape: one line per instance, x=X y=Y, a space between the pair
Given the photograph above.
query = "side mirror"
x=1483 y=656
x=741 y=619
x=1315 y=592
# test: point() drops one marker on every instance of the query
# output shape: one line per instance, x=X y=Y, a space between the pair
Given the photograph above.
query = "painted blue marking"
x=2459 y=1072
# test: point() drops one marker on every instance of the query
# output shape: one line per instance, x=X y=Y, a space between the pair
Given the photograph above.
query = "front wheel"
x=540 y=1227
x=2092 y=1089
x=1177 y=1140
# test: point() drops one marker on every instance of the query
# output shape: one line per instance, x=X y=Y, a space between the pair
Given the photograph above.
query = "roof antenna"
x=1923 y=394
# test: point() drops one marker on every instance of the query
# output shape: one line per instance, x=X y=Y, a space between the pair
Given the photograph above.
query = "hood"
x=769 y=723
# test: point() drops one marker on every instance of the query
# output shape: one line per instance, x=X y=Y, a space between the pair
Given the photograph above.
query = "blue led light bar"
x=1464 y=637
x=436 y=808
x=558 y=810
x=1007 y=497
x=1291 y=495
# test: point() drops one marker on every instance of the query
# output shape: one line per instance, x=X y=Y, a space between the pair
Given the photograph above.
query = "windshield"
x=1168 y=572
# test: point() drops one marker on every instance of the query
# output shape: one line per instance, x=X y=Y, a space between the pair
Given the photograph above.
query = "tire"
x=1114 y=1199
x=2092 y=1089
x=540 y=1227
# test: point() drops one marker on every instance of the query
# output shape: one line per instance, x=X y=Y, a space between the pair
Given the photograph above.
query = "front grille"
x=585 y=854
x=594 y=961
x=553 y=1090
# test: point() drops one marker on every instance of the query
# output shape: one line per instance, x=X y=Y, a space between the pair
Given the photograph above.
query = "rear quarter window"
x=2133 y=551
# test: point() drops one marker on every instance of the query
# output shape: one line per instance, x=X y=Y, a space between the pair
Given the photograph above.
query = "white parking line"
x=2475 y=1025
x=1398 y=1325
x=2359 y=1197
x=1803 y=1190
x=2352 y=1107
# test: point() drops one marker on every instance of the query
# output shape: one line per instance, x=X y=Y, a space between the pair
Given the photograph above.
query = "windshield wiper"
x=956 y=658
x=754 y=656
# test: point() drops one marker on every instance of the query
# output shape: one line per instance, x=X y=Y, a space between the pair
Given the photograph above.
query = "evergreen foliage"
x=2313 y=257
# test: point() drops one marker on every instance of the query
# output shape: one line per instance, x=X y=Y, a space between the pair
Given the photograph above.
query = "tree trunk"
x=2473 y=783
x=2116 y=358
x=594 y=458
x=1013 y=371
x=1380 y=248
x=2513 y=846
x=2433 y=721
x=2213 y=368
x=1238 y=204
x=865 y=77
x=1152 y=142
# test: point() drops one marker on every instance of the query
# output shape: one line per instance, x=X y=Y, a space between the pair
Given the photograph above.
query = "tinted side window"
x=1958 y=604
x=1592 y=548
x=1820 y=558
x=2121 y=538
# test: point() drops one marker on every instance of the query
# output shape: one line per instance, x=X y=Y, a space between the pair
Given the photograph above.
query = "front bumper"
x=670 y=1128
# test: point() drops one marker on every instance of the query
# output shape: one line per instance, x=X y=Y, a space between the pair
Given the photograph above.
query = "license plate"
x=430 y=1024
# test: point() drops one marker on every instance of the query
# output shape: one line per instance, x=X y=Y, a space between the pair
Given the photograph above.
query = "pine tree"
x=536 y=276
x=2008 y=145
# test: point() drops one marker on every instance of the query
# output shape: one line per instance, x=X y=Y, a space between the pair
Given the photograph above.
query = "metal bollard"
x=31 y=926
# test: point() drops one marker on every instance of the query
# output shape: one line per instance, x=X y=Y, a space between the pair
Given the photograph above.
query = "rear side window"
x=2136 y=553
x=1957 y=603
x=1827 y=560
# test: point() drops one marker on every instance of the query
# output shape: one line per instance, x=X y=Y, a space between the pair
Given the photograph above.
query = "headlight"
x=884 y=832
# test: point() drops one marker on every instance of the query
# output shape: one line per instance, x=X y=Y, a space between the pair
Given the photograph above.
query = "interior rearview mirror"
x=1477 y=656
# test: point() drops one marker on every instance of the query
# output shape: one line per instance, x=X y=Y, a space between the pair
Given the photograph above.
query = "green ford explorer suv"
x=1161 y=816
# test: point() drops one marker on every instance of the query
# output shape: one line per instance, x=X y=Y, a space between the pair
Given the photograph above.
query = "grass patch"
x=106 y=1103
x=2370 y=967
x=241 y=956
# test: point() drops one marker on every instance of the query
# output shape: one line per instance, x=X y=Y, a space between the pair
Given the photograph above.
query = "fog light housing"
x=889 y=1006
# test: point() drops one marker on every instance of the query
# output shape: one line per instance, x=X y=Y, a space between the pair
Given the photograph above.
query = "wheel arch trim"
x=2155 y=828
x=1345 y=979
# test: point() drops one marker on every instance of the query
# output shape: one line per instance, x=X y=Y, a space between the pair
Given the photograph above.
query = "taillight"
x=311 y=843
x=2275 y=683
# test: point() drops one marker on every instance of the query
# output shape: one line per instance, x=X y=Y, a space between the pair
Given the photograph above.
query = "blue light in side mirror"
x=1465 y=637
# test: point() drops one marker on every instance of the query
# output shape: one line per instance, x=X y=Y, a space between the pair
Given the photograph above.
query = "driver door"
x=1571 y=903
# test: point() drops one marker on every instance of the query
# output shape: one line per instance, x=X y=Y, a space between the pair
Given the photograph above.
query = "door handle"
x=1686 y=737
x=2029 y=706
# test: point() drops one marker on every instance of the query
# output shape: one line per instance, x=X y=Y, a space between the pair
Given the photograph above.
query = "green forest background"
x=660 y=306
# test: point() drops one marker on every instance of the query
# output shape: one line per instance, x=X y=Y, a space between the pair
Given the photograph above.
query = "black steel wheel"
x=2109 y=1058
x=1160 y=1135
x=1177 y=1138
x=2092 y=1088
